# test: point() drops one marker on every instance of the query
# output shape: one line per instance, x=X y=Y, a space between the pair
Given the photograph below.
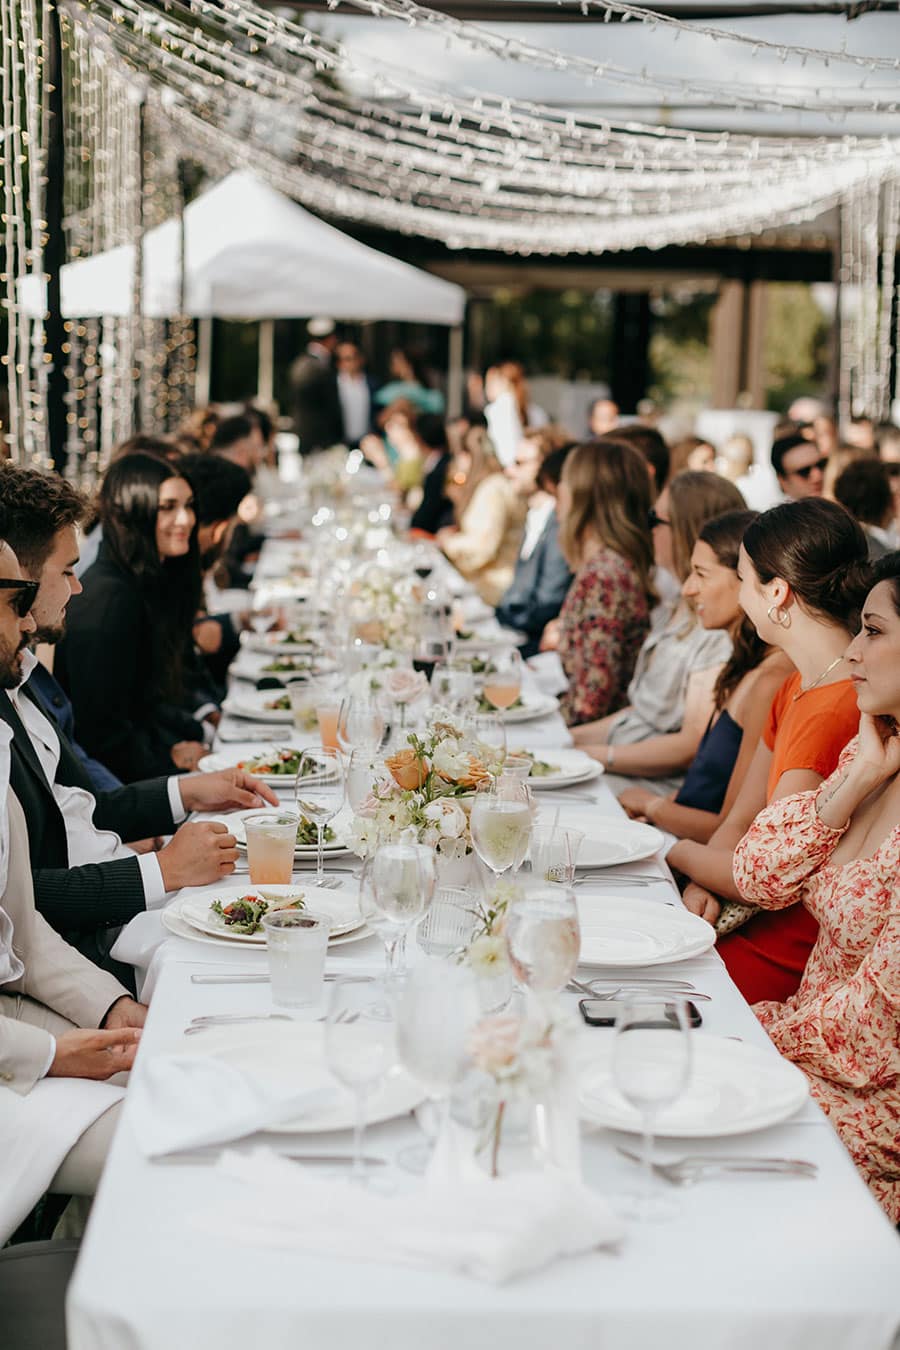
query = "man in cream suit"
x=60 y=1017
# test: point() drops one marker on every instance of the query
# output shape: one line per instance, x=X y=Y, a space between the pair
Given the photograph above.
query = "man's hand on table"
x=198 y=853
x=94 y=1054
x=701 y=901
x=125 y=1012
x=226 y=790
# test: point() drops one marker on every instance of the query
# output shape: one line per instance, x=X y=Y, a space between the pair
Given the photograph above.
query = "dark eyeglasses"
x=820 y=464
x=892 y=468
x=27 y=591
x=653 y=520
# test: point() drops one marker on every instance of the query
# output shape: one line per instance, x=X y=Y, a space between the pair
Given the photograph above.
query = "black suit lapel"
x=22 y=741
x=46 y=827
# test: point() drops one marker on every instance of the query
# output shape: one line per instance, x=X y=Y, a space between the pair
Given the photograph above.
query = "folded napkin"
x=187 y=1101
x=492 y=1230
x=548 y=673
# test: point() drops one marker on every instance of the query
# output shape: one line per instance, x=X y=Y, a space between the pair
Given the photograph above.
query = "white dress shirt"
x=535 y=521
x=87 y=844
x=10 y=965
x=356 y=404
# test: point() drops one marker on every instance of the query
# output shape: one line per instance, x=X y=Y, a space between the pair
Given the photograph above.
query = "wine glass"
x=360 y=724
x=435 y=1016
x=543 y=938
x=651 y=1064
x=453 y=685
x=319 y=793
x=500 y=824
x=359 y=1050
x=503 y=678
x=433 y=640
x=399 y=884
x=486 y=734
x=359 y=776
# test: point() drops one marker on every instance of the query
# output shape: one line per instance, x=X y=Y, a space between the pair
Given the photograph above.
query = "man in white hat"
x=317 y=406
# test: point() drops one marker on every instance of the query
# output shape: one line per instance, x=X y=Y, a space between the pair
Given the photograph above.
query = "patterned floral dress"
x=842 y=1027
x=602 y=625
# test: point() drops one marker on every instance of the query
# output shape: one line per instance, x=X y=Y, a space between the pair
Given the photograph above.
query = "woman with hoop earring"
x=804 y=575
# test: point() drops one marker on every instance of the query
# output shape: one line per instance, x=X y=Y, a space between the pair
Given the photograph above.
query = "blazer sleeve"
x=137 y=810
x=482 y=528
x=94 y=895
x=553 y=582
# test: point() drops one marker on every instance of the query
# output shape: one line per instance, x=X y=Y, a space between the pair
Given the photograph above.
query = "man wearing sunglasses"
x=799 y=466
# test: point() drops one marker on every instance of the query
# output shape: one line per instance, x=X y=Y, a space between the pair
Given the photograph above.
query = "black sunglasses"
x=653 y=520
x=821 y=464
x=22 y=602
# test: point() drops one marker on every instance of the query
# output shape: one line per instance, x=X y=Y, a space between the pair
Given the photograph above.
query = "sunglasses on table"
x=653 y=520
x=820 y=464
x=25 y=594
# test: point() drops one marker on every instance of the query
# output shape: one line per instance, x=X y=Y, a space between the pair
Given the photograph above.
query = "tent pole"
x=203 y=372
x=265 y=383
x=455 y=373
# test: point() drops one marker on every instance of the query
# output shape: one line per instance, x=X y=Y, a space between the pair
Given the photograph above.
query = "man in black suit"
x=87 y=881
x=542 y=576
x=318 y=420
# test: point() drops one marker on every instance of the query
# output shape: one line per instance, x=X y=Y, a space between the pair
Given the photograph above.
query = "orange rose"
x=476 y=775
x=407 y=769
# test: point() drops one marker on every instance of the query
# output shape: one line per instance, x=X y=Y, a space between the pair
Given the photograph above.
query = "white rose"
x=448 y=815
x=404 y=685
x=450 y=760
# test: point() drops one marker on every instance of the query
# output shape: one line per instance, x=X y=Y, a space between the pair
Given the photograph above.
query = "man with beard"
x=87 y=882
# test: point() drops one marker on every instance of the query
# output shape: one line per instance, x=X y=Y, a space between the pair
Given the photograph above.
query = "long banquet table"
x=749 y=1262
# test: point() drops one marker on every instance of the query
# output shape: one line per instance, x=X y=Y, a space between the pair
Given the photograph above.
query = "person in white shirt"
x=509 y=411
x=354 y=391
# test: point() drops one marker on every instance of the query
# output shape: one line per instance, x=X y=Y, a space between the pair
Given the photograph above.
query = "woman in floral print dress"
x=837 y=850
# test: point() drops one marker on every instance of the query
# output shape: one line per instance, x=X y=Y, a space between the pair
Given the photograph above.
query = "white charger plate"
x=626 y=933
x=341 y=905
x=610 y=841
x=249 y=665
x=274 y=644
x=533 y=706
x=276 y=1053
x=573 y=766
x=214 y=762
x=251 y=703
x=177 y=926
x=733 y=1088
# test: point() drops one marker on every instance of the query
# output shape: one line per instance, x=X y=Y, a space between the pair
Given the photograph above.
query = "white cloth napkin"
x=548 y=673
x=187 y=1101
x=492 y=1230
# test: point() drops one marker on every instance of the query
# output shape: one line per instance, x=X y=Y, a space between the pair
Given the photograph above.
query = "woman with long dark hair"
x=742 y=695
x=804 y=574
x=128 y=640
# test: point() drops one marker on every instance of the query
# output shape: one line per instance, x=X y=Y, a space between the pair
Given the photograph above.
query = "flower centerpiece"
x=382 y=607
x=421 y=797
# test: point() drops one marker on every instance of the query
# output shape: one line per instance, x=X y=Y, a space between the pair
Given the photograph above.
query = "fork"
x=231 y=1020
x=685 y=1171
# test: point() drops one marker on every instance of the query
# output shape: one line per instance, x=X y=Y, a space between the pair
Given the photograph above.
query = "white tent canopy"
x=251 y=253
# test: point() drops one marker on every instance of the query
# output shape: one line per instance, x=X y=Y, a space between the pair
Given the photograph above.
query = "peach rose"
x=407 y=769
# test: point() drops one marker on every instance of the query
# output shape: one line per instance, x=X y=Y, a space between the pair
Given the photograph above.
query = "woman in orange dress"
x=836 y=850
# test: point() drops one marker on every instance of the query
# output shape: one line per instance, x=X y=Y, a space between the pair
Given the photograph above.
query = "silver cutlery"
x=657 y=992
x=608 y=874
x=636 y=982
x=212 y=1154
x=231 y=1020
x=684 y=1171
x=262 y=977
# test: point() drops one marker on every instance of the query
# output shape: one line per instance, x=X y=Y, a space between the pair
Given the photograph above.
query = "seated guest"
x=799 y=466
x=743 y=692
x=355 y=391
x=508 y=409
x=693 y=452
x=128 y=644
x=835 y=851
x=603 y=416
x=652 y=448
x=485 y=542
x=60 y=1017
x=435 y=510
x=542 y=575
x=91 y=525
x=604 y=505
x=804 y=574
x=241 y=440
x=671 y=697
x=864 y=489
x=85 y=879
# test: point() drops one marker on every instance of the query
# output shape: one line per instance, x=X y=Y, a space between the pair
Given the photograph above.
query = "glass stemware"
x=651 y=1068
x=543 y=938
x=361 y=771
x=503 y=678
x=360 y=725
x=485 y=733
x=500 y=823
x=453 y=685
x=397 y=889
x=359 y=1050
x=319 y=792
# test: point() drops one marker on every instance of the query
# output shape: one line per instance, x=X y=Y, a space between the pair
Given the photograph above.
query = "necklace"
x=815 y=684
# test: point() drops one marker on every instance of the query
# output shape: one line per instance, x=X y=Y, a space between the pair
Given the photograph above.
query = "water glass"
x=360 y=774
x=517 y=766
x=302 y=694
x=319 y=791
x=296 y=942
x=398 y=889
x=485 y=735
x=453 y=685
x=651 y=1065
x=543 y=938
x=554 y=853
x=449 y=925
x=500 y=824
x=271 y=840
x=360 y=725
x=360 y=1050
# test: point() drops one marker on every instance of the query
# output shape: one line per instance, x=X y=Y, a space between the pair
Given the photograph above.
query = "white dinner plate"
x=279 y=1053
x=733 y=1087
x=533 y=706
x=336 y=849
x=570 y=767
x=610 y=841
x=248 y=665
x=625 y=933
x=172 y=920
x=341 y=905
x=254 y=703
x=213 y=763
x=275 y=644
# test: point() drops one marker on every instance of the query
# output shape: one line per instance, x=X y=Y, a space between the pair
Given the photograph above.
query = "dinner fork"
x=685 y=1171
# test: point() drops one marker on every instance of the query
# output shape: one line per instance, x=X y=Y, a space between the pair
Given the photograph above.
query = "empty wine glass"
x=453 y=685
x=651 y=1067
x=503 y=678
x=397 y=890
x=500 y=823
x=319 y=793
x=360 y=773
x=360 y=724
x=359 y=1050
x=486 y=735
x=435 y=1016
x=543 y=938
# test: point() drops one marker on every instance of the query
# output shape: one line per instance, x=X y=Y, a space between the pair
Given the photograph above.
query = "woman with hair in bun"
x=804 y=574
